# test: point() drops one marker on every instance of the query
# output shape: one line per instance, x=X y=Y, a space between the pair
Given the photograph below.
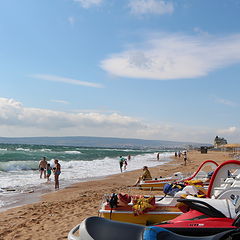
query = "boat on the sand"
x=200 y=174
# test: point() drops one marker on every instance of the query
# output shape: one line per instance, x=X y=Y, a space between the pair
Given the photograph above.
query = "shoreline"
x=19 y=195
x=35 y=195
x=58 y=212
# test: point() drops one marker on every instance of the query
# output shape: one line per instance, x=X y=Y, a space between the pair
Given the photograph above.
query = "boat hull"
x=148 y=218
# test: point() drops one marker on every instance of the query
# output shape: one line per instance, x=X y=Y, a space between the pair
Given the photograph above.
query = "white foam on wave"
x=18 y=165
x=45 y=150
x=102 y=167
x=72 y=152
x=3 y=149
x=23 y=149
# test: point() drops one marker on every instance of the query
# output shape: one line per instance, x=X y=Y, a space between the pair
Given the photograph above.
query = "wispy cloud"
x=89 y=3
x=71 y=20
x=66 y=80
x=225 y=102
x=160 y=7
x=59 y=101
x=168 y=56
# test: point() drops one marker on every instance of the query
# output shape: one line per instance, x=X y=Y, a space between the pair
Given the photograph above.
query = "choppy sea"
x=19 y=173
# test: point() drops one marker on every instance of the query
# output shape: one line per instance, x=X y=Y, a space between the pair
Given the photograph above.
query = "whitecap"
x=72 y=152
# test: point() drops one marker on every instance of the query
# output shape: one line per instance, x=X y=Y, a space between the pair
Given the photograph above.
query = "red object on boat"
x=201 y=220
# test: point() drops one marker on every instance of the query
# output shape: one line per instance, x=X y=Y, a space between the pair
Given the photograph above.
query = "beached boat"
x=95 y=228
x=144 y=211
x=200 y=174
x=165 y=206
x=224 y=180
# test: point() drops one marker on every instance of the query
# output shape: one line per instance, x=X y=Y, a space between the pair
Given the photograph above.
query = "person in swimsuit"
x=121 y=161
x=49 y=171
x=42 y=167
x=57 y=172
x=125 y=165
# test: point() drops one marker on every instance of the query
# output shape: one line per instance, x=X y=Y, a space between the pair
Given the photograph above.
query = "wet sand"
x=58 y=212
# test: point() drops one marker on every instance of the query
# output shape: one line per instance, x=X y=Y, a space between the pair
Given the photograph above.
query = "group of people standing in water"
x=123 y=162
x=46 y=170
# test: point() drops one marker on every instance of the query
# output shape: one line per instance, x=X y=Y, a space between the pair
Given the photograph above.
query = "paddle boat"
x=165 y=207
x=201 y=174
x=224 y=182
x=96 y=228
x=225 y=179
x=144 y=210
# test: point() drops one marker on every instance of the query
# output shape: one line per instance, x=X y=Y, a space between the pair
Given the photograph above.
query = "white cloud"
x=17 y=120
x=88 y=3
x=177 y=56
x=160 y=7
x=229 y=130
x=13 y=113
x=66 y=80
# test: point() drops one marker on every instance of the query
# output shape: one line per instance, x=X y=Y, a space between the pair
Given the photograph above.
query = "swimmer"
x=57 y=172
x=42 y=167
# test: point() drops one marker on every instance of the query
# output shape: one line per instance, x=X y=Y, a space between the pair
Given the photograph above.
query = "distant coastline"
x=109 y=142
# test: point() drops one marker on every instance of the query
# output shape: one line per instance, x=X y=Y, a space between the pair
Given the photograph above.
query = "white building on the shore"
x=219 y=142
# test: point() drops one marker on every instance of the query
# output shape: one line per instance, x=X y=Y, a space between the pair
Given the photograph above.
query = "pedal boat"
x=164 y=209
x=200 y=174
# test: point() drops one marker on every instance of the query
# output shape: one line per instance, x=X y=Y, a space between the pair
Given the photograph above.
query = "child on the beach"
x=49 y=171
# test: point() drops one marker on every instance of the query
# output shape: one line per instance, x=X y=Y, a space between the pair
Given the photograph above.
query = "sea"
x=19 y=175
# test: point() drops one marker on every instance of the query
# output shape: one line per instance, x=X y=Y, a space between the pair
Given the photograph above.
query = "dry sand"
x=58 y=212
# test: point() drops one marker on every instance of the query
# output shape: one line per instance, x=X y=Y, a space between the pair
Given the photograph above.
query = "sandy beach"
x=58 y=212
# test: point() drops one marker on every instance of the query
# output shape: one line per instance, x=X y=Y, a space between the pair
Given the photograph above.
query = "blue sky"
x=150 y=69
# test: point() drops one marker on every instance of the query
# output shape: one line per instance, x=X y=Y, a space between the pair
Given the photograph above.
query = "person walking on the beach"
x=49 y=171
x=129 y=157
x=42 y=167
x=121 y=161
x=57 y=172
x=158 y=156
x=185 y=158
x=145 y=176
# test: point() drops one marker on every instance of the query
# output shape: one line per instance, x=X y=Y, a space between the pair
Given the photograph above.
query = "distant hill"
x=101 y=142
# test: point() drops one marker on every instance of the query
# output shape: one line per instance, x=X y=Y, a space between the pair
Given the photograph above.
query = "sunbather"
x=145 y=176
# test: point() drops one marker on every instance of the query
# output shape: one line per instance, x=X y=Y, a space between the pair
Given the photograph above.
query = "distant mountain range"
x=102 y=142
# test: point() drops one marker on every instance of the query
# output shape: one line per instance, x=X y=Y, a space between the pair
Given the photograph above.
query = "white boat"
x=200 y=174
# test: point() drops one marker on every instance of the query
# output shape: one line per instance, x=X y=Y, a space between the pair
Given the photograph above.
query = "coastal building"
x=219 y=142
